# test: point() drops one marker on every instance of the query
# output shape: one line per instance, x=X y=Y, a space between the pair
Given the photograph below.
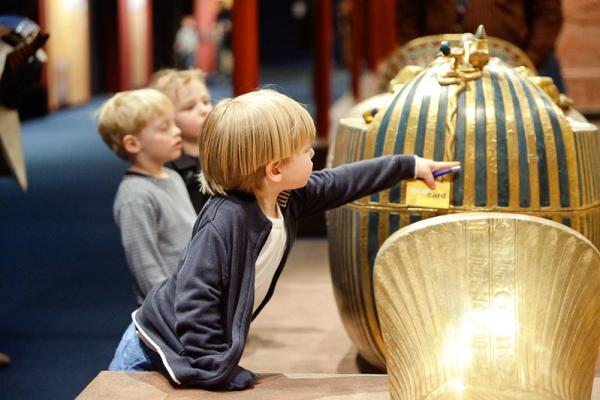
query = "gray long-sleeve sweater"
x=155 y=217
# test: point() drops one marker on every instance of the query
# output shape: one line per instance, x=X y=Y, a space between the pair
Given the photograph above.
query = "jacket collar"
x=282 y=199
x=259 y=224
x=186 y=161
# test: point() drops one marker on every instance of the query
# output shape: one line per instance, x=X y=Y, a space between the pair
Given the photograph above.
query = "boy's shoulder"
x=174 y=176
x=141 y=182
x=133 y=189
x=133 y=182
x=227 y=213
x=139 y=188
x=222 y=209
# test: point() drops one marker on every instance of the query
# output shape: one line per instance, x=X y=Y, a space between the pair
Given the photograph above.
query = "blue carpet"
x=65 y=290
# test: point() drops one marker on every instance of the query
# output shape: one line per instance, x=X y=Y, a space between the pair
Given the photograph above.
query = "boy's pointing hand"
x=425 y=169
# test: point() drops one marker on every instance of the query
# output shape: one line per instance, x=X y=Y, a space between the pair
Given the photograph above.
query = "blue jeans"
x=131 y=354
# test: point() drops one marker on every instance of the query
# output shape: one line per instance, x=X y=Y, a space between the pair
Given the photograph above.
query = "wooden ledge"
x=153 y=386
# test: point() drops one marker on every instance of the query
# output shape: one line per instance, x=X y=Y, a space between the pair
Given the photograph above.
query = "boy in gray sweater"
x=152 y=207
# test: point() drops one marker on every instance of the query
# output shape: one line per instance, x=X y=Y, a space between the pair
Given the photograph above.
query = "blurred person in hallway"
x=186 y=43
x=223 y=38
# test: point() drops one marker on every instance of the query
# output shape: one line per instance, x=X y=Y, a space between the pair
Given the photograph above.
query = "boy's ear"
x=273 y=171
x=131 y=144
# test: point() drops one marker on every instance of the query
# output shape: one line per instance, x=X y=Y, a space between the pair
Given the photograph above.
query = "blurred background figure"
x=21 y=58
x=532 y=25
x=223 y=38
x=344 y=32
x=186 y=43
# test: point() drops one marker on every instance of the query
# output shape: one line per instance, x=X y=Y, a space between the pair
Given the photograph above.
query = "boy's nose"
x=204 y=110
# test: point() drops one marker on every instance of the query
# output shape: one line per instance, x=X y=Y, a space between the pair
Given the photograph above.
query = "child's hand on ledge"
x=425 y=169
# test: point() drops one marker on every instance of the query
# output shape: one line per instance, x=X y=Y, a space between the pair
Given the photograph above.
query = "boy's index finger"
x=448 y=164
x=445 y=165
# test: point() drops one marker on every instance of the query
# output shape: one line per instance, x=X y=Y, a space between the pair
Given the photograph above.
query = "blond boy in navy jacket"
x=256 y=161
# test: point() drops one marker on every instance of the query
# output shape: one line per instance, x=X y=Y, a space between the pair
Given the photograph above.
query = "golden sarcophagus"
x=520 y=152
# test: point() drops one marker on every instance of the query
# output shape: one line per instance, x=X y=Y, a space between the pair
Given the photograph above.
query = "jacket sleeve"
x=202 y=291
x=137 y=221
x=333 y=187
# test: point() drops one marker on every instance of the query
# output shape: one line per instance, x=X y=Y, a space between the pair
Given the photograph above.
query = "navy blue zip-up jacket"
x=198 y=319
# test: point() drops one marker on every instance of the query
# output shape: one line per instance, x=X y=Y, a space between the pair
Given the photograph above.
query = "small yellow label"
x=418 y=194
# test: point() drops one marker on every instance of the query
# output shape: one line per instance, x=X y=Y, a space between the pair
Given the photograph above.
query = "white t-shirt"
x=269 y=258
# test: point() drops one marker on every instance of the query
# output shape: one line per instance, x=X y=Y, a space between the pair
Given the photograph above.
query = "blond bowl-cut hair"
x=241 y=135
x=127 y=113
x=170 y=80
